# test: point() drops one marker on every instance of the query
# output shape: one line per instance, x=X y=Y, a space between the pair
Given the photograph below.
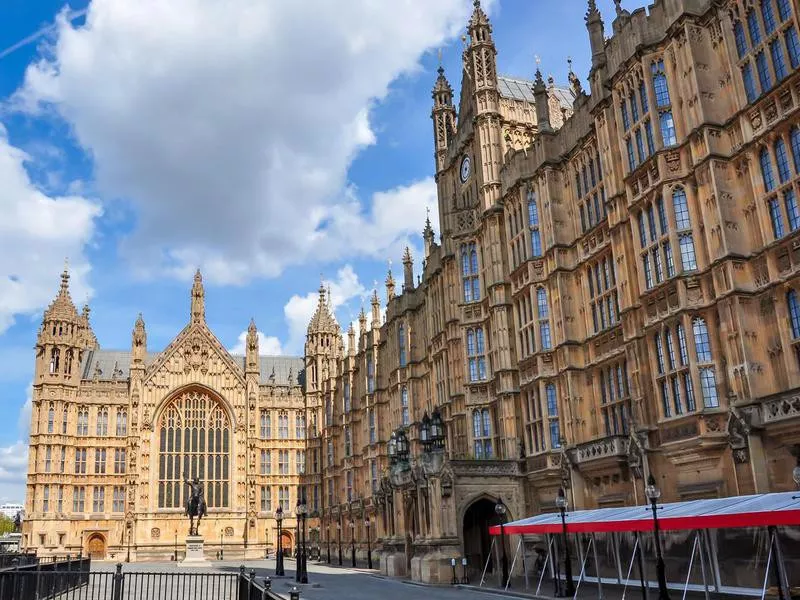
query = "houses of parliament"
x=613 y=294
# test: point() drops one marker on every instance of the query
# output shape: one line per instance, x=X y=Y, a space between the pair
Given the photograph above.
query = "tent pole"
x=593 y=544
x=524 y=566
x=777 y=564
x=766 y=572
x=583 y=570
x=691 y=563
x=640 y=564
x=630 y=568
x=703 y=564
x=488 y=558
x=713 y=557
x=782 y=565
x=556 y=568
x=615 y=543
x=513 y=562
x=547 y=563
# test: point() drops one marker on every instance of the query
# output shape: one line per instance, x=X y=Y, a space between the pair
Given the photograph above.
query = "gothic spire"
x=323 y=320
x=198 y=313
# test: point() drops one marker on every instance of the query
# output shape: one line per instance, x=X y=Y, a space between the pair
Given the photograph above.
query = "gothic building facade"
x=613 y=294
x=115 y=435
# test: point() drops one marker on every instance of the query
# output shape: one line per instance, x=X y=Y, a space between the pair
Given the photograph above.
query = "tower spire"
x=198 y=313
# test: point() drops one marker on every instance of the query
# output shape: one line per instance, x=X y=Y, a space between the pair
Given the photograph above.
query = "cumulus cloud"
x=37 y=232
x=267 y=345
x=231 y=125
x=299 y=309
x=14 y=458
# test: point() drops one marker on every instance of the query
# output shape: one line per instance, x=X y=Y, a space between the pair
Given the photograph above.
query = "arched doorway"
x=286 y=543
x=96 y=547
x=477 y=541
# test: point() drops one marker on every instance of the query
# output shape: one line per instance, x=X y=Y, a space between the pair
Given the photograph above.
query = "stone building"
x=115 y=434
x=613 y=294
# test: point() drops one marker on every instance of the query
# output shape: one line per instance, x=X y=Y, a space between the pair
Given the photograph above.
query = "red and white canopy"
x=761 y=510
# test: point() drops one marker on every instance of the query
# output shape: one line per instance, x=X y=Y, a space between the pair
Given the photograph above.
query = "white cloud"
x=37 y=232
x=14 y=458
x=231 y=125
x=267 y=345
x=299 y=309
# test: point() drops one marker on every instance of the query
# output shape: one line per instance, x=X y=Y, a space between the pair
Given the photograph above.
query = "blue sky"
x=265 y=142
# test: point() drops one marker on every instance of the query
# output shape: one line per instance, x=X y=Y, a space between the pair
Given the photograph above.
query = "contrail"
x=43 y=31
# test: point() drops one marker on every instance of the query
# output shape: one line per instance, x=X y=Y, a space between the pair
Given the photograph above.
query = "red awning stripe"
x=722 y=513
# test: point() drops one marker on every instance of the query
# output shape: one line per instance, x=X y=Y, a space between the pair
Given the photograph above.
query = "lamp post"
x=302 y=575
x=279 y=554
x=176 y=546
x=328 y=539
x=339 y=535
x=653 y=494
x=222 y=544
x=367 y=524
x=80 y=549
x=561 y=503
x=128 y=531
x=500 y=509
x=266 y=542
x=353 y=542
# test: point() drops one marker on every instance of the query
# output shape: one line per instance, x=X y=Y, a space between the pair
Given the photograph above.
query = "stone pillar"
x=758 y=463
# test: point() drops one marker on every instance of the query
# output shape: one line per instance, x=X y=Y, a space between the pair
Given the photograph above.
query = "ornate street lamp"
x=391 y=447
x=353 y=542
x=796 y=471
x=339 y=535
x=279 y=554
x=437 y=429
x=266 y=542
x=128 y=554
x=302 y=575
x=222 y=544
x=653 y=494
x=367 y=524
x=402 y=446
x=561 y=503
x=425 y=432
x=500 y=509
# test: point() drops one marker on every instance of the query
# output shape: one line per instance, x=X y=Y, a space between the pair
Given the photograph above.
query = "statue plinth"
x=195 y=556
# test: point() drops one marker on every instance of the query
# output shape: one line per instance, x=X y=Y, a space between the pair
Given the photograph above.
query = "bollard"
x=116 y=585
x=294 y=593
x=267 y=583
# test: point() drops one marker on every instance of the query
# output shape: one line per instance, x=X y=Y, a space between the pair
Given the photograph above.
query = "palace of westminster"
x=614 y=293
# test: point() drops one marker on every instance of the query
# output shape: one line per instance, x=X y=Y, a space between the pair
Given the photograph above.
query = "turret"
x=444 y=118
x=251 y=362
x=408 y=270
x=351 y=341
x=376 y=311
x=389 y=286
x=481 y=51
x=138 y=343
x=63 y=337
x=323 y=341
x=597 y=42
x=541 y=100
x=428 y=237
x=198 y=312
x=362 y=328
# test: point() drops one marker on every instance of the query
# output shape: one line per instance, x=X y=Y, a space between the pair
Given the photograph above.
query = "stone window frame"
x=778 y=179
x=603 y=294
x=589 y=189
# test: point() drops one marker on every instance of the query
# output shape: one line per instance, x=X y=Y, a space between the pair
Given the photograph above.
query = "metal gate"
x=36 y=584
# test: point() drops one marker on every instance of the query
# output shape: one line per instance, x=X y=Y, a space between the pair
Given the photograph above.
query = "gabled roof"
x=515 y=88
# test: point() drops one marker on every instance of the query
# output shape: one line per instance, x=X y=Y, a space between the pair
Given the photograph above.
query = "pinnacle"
x=198 y=277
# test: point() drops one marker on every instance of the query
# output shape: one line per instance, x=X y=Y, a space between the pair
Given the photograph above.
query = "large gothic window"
x=194 y=441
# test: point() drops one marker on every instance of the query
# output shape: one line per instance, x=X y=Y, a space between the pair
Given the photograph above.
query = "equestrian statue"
x=195 y=505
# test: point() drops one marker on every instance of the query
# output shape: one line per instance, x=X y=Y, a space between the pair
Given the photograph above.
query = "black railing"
x=72 y=580
x=12 y=559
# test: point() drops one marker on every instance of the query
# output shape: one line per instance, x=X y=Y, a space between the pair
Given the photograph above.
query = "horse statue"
x=195 y=505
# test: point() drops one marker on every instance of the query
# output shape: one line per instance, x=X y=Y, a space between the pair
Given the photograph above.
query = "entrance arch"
x=286 y=543
x=477 y=541
x=96 y=547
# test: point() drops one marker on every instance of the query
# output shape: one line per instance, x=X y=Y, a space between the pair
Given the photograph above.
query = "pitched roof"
x=109 y=360
x=522 y=89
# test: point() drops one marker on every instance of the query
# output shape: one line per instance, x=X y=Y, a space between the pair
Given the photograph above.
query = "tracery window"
x=543 y=315
x=552 y=416
x=476 y=354
x=194 y=441
x=533 y=224
x=663 y=103
x=370 y=373
x=590 y=191
x=615 y=398
x=347 y=444
x=300 y=426
x=781 y=196
x=51 y=417
x=708 y=380
x=793 y=306
x=64 y=417
x=122 y=422
x=83 y=421
x=404 y=414
x=482 y=433
x=266 y=424
x=469 y=272
x=603 y=293
x=266 y=462
x=346 y=392
x=102 y=421
x=401 y=339
x=283 y=425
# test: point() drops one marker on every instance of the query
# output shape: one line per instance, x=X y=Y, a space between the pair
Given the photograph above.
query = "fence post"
x=117 y=583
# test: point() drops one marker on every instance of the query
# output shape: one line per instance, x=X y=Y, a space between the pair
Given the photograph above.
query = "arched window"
x=347 y=442
x=68 y=361
x=768 y=15
x=794 y=313
x=300 y=426
x=83 y=421
x=102 y=421
x=482 y=433
x=51 y=418
x=346 y=394
x=469 y=272
x=64 y=418
x=702 y=343
x=754 y=28
x=683 y=224
x=784 y=9
x=552 y=416
x=476 y=354
x=283 y=425
x=766 y=170
x=533 y=225
x=741 y=39
x=794 y=138
x=543 y=314
x=404 y=416
x=122 y=422
x=55 y=357
x=782 y=158
x=401 y=339
x=194 y=441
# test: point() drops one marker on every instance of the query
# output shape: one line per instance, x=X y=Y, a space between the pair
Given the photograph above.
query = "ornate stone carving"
x=155 y=533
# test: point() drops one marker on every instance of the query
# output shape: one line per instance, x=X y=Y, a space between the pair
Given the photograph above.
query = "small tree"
x=6 y=525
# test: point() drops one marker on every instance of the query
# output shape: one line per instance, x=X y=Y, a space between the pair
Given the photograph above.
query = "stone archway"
x=475 y=530
x=286 y=543
x=96 y=547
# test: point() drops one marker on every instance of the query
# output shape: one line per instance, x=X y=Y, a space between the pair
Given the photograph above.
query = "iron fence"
x=11 y=559
x=79 y=583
